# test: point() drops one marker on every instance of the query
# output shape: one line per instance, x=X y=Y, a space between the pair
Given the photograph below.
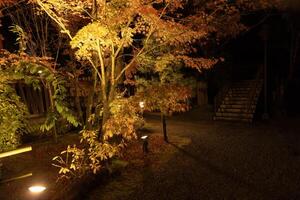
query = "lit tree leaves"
x=12 y=121
x=90 y=38
x=125 y=119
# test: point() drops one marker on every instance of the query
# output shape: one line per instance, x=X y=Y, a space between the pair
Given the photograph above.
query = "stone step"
x=245 y=86
x=239 y=102
x=230 y=94
x=232 y=119
x=224 y=106
x=248 y=89
x=238 y=115
x=248 y=82
x=237 y=110
x=241 y=94
x=243 y=91
x=240 y=97
x=236 y=98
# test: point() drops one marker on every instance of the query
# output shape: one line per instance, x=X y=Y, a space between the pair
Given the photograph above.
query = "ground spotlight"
x=36 y=189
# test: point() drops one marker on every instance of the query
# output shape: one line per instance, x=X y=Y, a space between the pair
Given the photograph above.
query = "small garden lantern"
x=145 y=143
x=142 y=104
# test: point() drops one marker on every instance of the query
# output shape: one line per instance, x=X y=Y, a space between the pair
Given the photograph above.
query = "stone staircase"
x=238 y=101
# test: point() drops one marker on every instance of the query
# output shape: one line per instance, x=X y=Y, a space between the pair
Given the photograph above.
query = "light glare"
x=36 y=189
x=144 y=137
x=142 y=104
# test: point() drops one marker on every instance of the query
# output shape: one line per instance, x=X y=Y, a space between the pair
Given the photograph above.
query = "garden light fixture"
x=144 y=137
x=36 y=189
x=142 y=104
x=145 y=143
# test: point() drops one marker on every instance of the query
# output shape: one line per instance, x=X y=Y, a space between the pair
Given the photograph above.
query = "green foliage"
x=21 y=37
x=13 y=113
x=32 y=71
x=60 y=100
x=50 y=121
x=90 y=37
x=12 y=118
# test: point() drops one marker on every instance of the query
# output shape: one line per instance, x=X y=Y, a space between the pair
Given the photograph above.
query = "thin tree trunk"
x=97 y=112
x=77 y=101
x=105 y=117
x=106 y=102
x=53 y=110
x=164 y=126
x=91 y=100
x=94 y=9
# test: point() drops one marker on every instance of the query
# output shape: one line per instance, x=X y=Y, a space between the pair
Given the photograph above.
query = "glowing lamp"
x=142 y=104
x=144 y=137
x=145 y=143
x=36 y=189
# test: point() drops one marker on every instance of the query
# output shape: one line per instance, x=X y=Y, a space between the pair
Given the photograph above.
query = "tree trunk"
x=1 y=41
x=91 y=101
x=94 y=9
x=98 y=117
x=53 y=110
x=77 y=101
x=105 y=117
x=164 y=126
x=89 y=109
x=109 y=93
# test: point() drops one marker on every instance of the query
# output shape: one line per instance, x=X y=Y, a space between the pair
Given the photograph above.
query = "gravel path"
x=226 y=161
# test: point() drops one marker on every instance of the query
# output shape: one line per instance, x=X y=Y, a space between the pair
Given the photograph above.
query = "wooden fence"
x=37 y=101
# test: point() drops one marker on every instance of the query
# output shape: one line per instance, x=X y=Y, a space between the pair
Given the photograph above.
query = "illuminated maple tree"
x=140 y=27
